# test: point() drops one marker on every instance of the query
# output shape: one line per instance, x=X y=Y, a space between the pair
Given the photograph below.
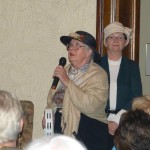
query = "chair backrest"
x=26 y=135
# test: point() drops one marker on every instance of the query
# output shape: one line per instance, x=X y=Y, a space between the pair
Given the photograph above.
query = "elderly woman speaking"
x=83 y=90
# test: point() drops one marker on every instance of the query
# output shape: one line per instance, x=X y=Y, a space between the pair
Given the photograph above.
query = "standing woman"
x=123 y=74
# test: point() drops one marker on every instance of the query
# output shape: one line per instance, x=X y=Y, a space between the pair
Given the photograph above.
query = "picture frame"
x=147 y=69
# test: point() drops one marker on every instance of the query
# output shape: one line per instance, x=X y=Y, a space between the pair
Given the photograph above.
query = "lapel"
x=105 y=66
x=123 y=70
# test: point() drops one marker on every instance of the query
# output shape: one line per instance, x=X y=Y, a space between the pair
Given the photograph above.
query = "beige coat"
x=89 y=98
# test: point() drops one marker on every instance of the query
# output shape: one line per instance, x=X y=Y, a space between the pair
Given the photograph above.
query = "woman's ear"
x=126 y=43
x=90 y=52
x=21 y=124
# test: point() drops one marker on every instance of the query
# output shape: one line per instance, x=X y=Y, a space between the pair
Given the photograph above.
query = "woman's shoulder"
x=104 y=58
x=94 y=67
x=129 y=61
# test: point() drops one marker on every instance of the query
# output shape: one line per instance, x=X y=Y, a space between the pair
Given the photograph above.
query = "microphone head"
x=62 y=61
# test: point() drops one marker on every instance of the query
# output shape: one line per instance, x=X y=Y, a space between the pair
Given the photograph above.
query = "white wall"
x=30 y=46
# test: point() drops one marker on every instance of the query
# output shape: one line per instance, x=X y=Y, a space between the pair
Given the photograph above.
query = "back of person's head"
x=133 y=132
x=10 y=117
x=142 y=102
x=57 y=142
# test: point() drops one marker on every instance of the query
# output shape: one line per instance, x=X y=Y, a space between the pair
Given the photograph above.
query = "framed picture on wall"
x=148 y=59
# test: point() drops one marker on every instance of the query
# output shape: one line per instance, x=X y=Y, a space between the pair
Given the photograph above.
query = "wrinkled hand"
x=61 y=73
x=43 y=122
x=112 y=126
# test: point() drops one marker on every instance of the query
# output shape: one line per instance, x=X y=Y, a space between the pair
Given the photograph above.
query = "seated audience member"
x=142 y=103
x=133 y=132
x=11 y=120
x=58 y=142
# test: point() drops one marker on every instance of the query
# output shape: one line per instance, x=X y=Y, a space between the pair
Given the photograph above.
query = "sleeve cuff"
x=116 y=117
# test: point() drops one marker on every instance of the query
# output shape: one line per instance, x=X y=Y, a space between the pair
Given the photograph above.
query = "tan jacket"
x=89 y=98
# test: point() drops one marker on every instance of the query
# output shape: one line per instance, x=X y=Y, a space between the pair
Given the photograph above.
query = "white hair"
x=142 y=102
x=57 y=142
x=10 y=117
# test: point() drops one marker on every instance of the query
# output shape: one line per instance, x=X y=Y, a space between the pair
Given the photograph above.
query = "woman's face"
x=78 y=53
x=116 y=42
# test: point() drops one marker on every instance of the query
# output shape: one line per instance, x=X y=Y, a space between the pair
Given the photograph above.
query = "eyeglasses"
x=75 y=46
x=119 y=38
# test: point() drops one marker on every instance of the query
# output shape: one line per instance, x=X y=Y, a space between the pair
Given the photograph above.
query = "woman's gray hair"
x=57 y=142
x=10 y=116
x=92 y=54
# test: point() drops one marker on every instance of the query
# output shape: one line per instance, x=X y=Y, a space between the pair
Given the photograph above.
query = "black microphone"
x=62 y=62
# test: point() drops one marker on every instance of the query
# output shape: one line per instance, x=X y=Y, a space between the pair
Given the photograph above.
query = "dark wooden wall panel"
x=126 y=12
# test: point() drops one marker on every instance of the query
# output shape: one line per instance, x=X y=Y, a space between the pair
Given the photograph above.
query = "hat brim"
x=66 y=39
x=116 y=31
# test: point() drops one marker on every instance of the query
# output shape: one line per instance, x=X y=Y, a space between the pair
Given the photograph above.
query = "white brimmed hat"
x=115 y=27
